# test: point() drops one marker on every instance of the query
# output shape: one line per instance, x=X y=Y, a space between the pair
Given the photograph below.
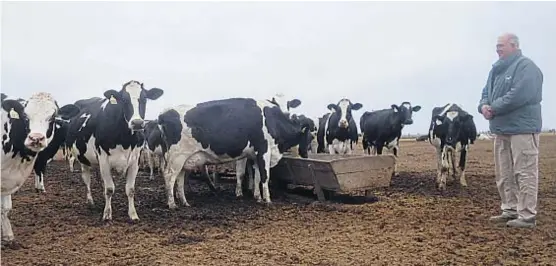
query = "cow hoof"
x=106 y=222
x=133 y=221
x=12 y=244
x=172 y=206
x=40 y=191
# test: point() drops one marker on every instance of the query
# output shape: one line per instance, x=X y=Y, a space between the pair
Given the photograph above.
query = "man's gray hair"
x=513 y=39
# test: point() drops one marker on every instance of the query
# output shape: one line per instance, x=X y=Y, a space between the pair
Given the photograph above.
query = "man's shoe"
x=504 y=217
x=522 y=223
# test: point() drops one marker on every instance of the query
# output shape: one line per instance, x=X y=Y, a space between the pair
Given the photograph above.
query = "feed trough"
x=338 y=173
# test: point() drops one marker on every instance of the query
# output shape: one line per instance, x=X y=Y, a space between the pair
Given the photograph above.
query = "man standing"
x=511 y=101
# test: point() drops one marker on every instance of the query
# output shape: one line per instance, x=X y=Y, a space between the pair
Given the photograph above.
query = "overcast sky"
x=375 y=53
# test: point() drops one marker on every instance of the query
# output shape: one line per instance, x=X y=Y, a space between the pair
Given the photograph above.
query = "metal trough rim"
x=349 y=156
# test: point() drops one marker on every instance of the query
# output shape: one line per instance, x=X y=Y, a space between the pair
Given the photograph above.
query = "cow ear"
x=109 y=93
x=416 y=108
x=154 y=93
x=395 y=107
x=356 y=106
x=8 y=105
x=294 y=103
x=332 y=107
x=4 y=96
x=68 y=111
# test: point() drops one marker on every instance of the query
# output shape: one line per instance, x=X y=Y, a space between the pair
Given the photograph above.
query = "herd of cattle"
x=111 y=133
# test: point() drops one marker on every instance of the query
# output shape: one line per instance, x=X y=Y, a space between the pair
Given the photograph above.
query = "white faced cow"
x=451 y=129
x=383 y=128
x=108 y=132
x=26 y=131
x=337 y=129
x=227 y=130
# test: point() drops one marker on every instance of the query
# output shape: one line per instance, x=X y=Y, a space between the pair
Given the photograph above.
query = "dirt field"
x=410 y=224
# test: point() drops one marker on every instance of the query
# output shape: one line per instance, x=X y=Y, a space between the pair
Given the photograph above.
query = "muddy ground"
x=410 y=224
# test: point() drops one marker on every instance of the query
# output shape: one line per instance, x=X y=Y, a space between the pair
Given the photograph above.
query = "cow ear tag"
x=113 y=100
x=14 y=114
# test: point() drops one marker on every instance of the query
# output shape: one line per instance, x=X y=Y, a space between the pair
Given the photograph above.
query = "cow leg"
x=109 y=187
x=39 y=180
x=348 y=147
x=161 y=165
x=7 y=233
x=462 y=161
x=379 y=149
x=182 y=177
x=71 y=161
x=264 y=169
x=395 y=151
x=373 y=150
x=257 y=182
x=240 y=171
x=150 y=161
x=453 y=164
x=131 y=175
x=438 y=166
x=445 y=166
x=208 y=179
x=86 y=176
x=250 y=175
x=171 y=171
x=332 y=148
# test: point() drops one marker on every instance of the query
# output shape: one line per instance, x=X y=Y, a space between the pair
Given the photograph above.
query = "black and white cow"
x=227 y=130
x=57 y=142
x=383 y=128
x=303 y=120
x=337 y=129
x=245 y=166
x=153 y=147
x=451 y=129
x=108 y=132
x=26 y=131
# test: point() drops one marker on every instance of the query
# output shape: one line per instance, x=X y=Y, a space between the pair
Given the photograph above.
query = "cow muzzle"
x=343 y=124
x=35 y=142
x=137 y=124
x=408 y=121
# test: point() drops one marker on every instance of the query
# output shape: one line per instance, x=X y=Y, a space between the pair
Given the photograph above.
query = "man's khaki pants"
x=516 y=159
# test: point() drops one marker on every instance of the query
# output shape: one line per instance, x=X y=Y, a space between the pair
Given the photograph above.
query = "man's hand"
x=486 y=110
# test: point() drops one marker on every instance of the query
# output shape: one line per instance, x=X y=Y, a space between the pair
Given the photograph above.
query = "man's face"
x=504 y=48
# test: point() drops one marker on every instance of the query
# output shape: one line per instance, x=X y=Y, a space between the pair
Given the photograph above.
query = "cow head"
x=133 y=100
x=344 y=108
x=405 y=112
x=451 y=124
x=42 y=114
x=291 y=132
x=280 y=100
